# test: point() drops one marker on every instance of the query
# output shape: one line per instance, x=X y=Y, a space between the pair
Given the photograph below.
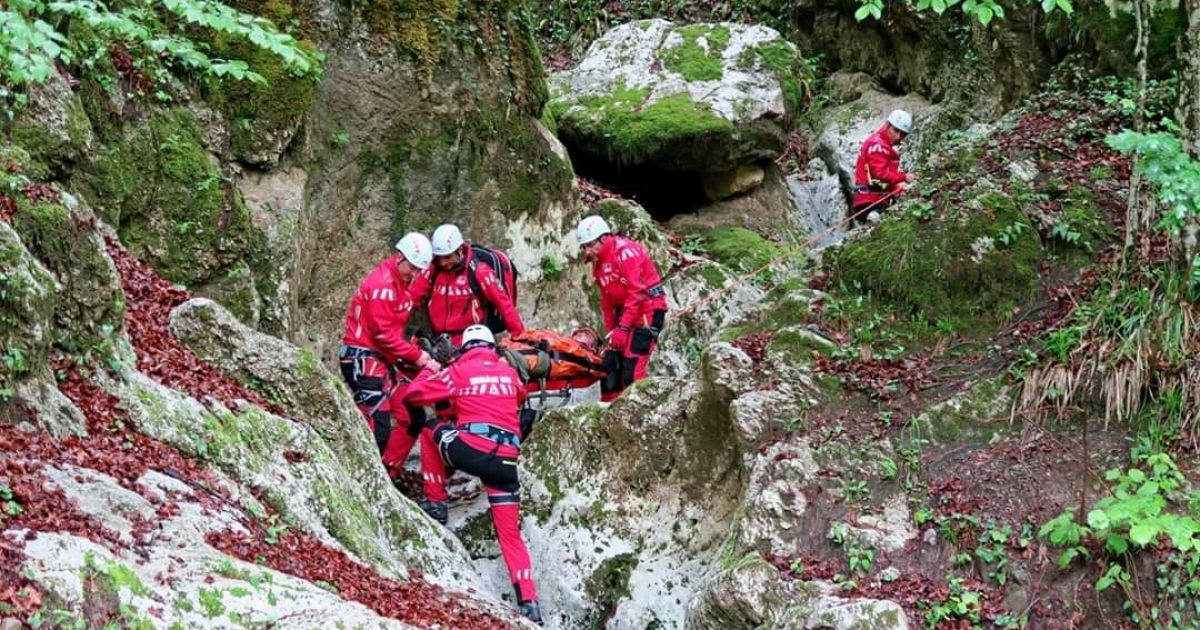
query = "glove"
x=426 y=362
x=618 y=338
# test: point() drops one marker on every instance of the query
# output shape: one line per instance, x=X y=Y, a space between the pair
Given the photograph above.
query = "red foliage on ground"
x=41 y=193
x=592 y=193
x=416 y=601
x=754 y=345
x=150 y=299
x=8 y=208
x=879 y=376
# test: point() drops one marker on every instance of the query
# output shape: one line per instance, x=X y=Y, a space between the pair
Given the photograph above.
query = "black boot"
x=436 y=510
x=530 y=611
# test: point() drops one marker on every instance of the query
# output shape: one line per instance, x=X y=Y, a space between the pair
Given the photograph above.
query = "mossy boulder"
x=697 y=98
x=738 y=248
x=53 y=127
x=971 y=265
x=64 y=237
x=174 y=208
x=27 y=302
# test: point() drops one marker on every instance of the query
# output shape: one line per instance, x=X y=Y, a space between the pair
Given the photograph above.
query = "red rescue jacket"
x=453 y=306
x=627 y=276
x=378 y=314
x=482 y=387
x=877 y=172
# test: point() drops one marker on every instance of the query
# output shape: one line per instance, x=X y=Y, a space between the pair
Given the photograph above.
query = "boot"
x=436 y=510
x=530 y=611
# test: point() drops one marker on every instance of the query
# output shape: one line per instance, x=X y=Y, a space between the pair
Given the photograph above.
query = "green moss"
x=797 y=346
x=94 y=308
x=784 y=308
x=259 y=113
x=478 y=533
x=784 y=60
x=27 y=302
x=698 y=56
x=307 y=364
x=171 y=205
x=608 y=585
x=954 y=267
x=623 y=129
x=739 y=248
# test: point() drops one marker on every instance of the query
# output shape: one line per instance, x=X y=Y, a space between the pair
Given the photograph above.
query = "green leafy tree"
x=982 y=10
x=159 y=34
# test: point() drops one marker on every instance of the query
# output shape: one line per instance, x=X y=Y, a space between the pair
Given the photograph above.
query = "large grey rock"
x=53 y=126
x=703 y=97
x=750 y=595
x=28 y=305
x=69 y=240
x=275 y=200
x=37 y=404
x=202 y=578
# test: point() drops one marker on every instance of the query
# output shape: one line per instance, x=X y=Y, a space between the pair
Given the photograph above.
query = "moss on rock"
x=739 y=248
x=624 y=129
x=172 y=207
x=783 y=58
x=697 y=57
x=608 y=585
x=262 y=117
x=27 y=303
x=969 y=265
x=93 y=308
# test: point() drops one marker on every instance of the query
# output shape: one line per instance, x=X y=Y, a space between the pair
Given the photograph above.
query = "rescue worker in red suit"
x=878 y=180
x=374 y=348
x=453 y=305
x=485 y=441
x=632 y=301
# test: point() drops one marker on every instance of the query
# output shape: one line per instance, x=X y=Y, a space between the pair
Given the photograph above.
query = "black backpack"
x=506 y=274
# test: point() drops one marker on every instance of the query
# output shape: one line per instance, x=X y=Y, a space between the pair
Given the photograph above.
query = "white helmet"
x=591 y=228
x=477 y=333
x=446 y=239
x=416 y=249
x=901 y=120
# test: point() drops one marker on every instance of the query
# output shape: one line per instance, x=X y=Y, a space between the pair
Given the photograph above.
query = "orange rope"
x=787 y=254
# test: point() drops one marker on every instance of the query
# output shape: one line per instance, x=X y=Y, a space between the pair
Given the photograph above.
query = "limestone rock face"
x=734 y=182
x=53 y=126
x=28 y=304
x=697 y=98
x=203 y=579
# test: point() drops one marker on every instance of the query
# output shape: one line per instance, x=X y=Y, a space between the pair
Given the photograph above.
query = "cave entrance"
x=663 y=194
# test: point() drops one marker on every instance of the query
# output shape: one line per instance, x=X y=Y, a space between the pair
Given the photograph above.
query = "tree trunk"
x=1187 y=113
x=1188 y=110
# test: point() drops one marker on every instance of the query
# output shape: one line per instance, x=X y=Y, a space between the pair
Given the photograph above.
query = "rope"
x=785 y=255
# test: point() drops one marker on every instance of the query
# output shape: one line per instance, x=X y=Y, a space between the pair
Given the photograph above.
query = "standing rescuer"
x=632 y=301
x=459 y=288
x=484 y=441
x=374 y=348
x=878 y=180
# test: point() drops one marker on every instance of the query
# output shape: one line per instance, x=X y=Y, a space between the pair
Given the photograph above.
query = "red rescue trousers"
x=495 y=463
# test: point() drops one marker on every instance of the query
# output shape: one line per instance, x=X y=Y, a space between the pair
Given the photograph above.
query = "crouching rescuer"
x=375 y=354
x=632 y=301
x=486 y=394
